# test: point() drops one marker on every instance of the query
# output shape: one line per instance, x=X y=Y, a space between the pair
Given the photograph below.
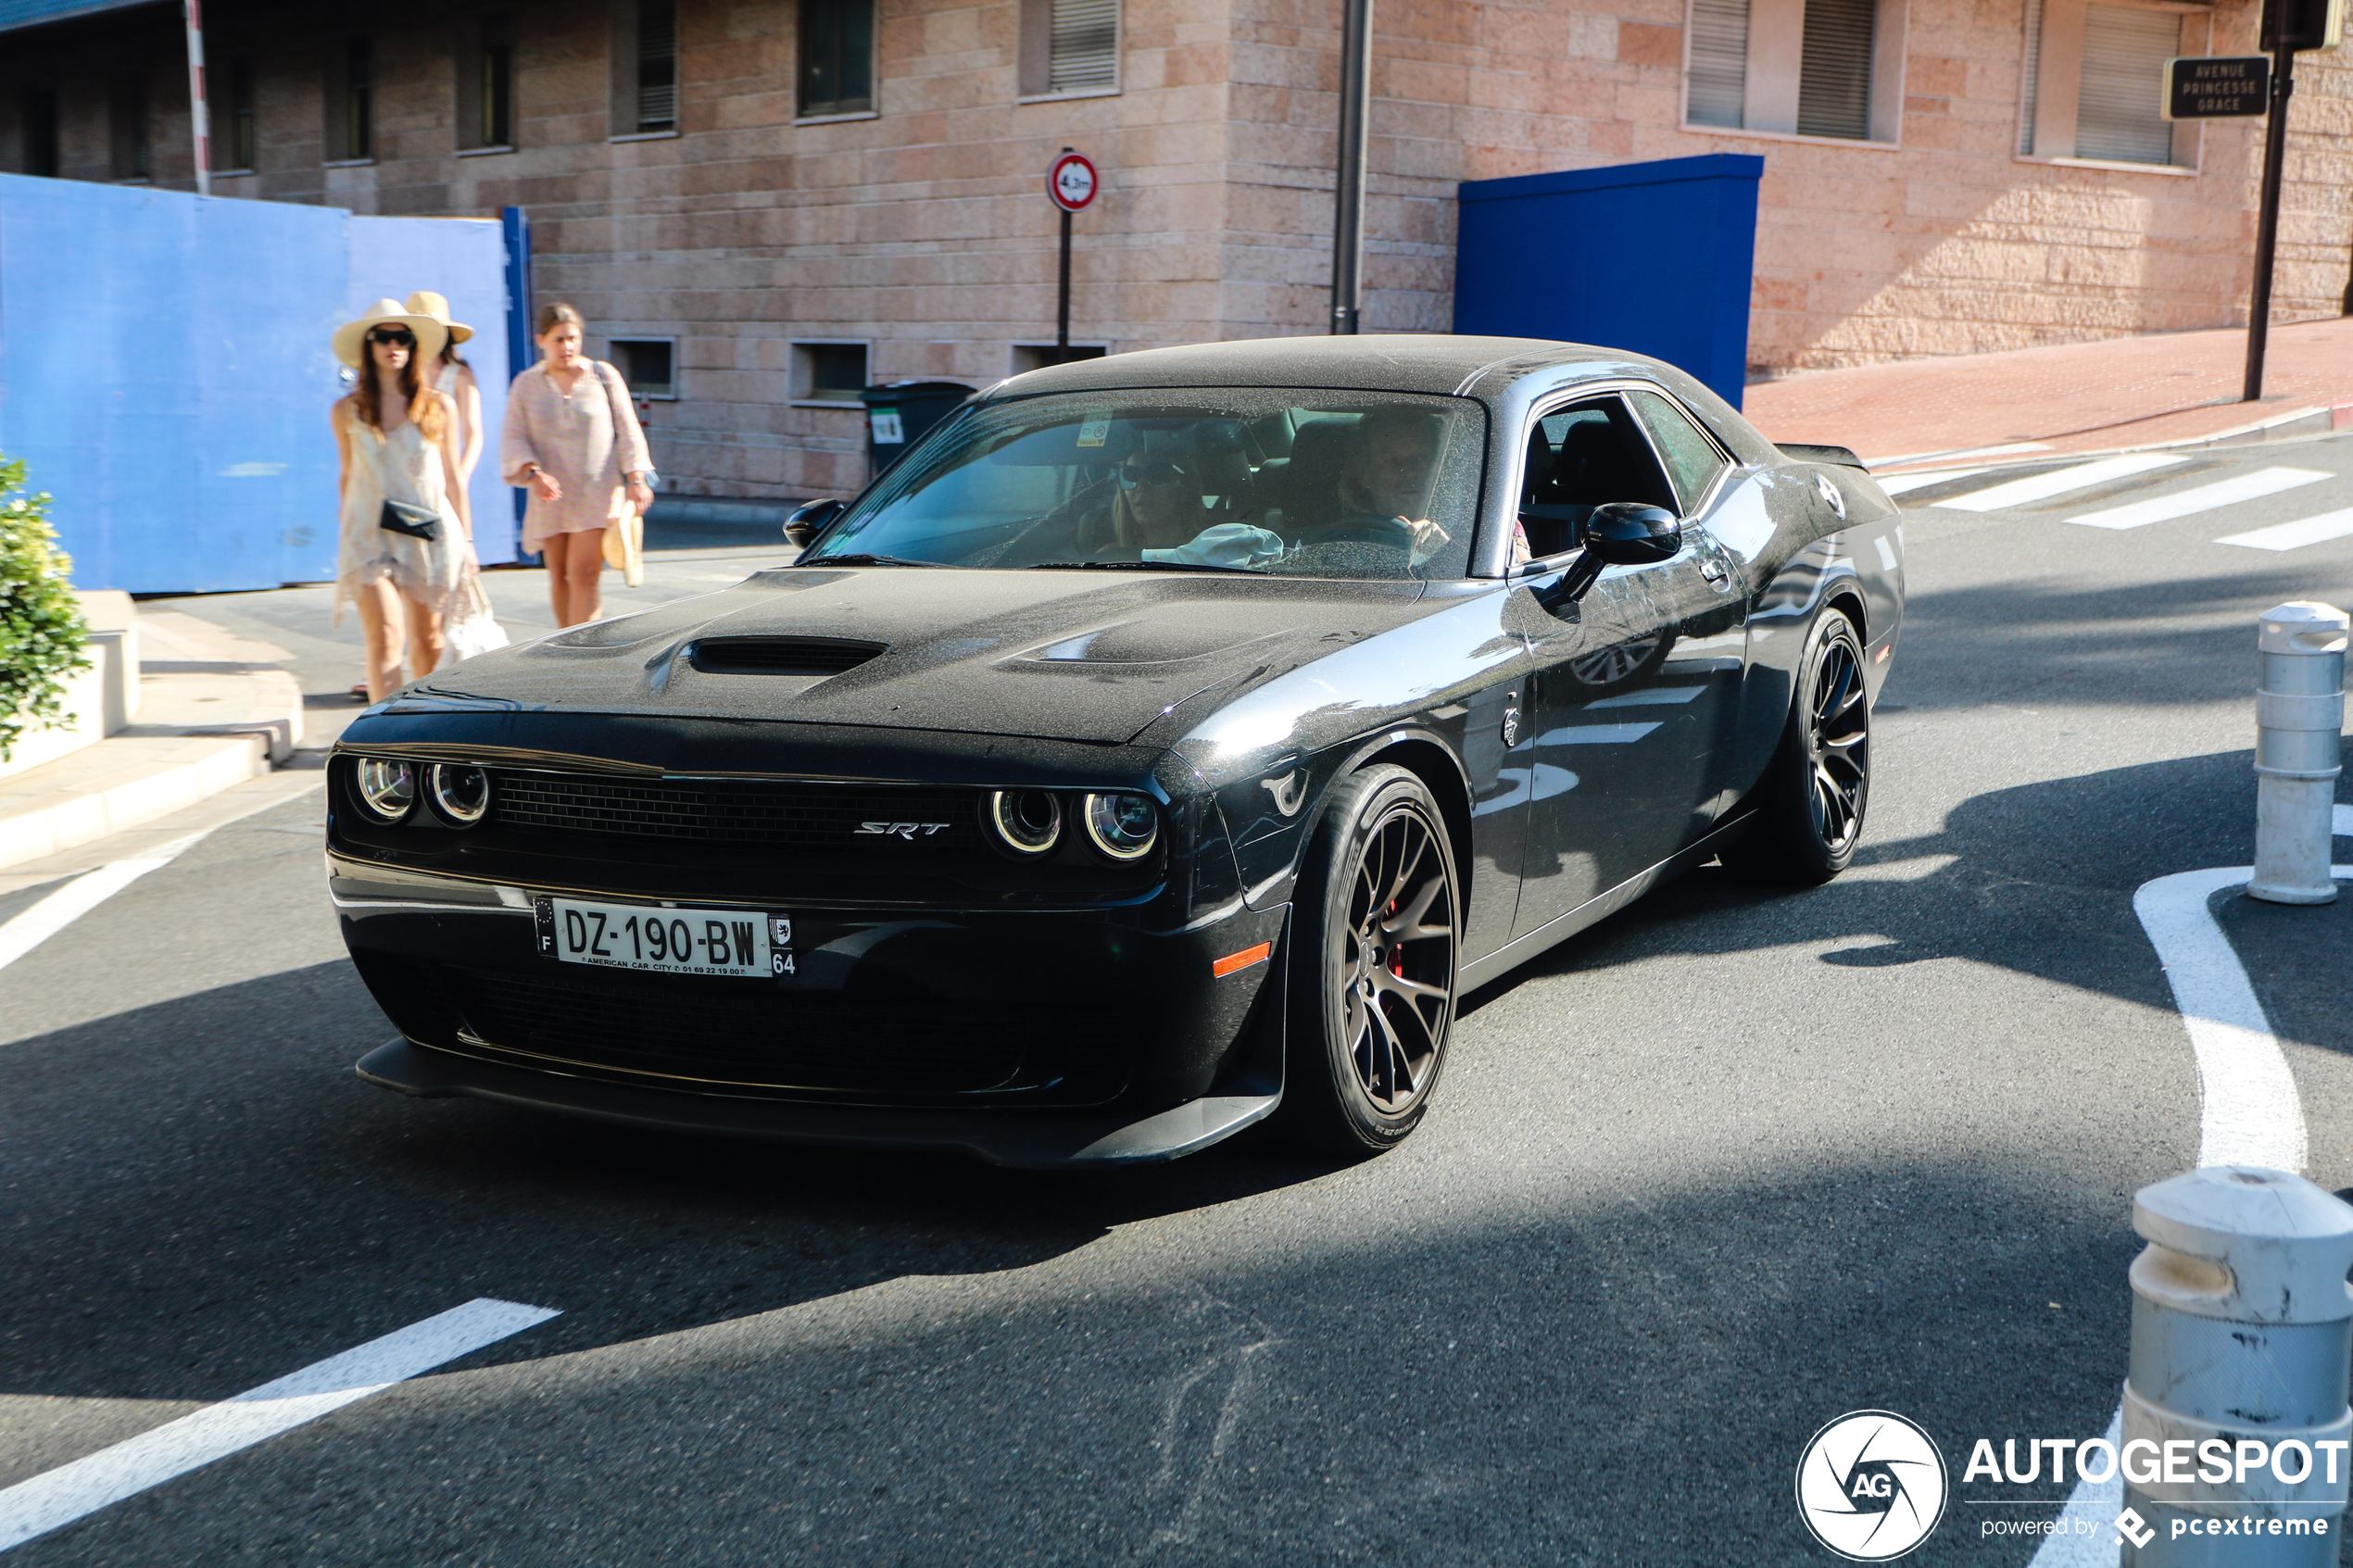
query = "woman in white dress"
x=572 y=438
x=393 y=434
x=455 y=379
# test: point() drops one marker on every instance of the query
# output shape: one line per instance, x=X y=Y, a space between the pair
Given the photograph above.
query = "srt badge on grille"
x=903 y=829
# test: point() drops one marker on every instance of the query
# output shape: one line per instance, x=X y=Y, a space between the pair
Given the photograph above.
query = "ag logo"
x=1870 y=1485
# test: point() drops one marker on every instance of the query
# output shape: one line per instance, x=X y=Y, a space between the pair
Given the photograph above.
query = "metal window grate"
x=1834 y=73
x=2030 y=92
x=2120 y=112
x=657 y=64
x=1717 y=92
x=1085 y=45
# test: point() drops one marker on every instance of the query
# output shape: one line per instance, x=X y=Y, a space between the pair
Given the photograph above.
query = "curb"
x=120 y=782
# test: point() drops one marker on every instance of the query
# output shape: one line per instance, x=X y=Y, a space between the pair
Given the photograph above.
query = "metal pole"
x=1062 y=304
x=2267 y=223
x=1348 y=219
x=199 y=109
x=2300 y=711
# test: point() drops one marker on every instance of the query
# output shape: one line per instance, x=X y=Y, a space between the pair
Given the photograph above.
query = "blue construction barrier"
x=165 y=371
x=1655 y=258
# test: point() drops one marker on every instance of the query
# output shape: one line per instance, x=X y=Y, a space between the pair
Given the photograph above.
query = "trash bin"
x=898 y=416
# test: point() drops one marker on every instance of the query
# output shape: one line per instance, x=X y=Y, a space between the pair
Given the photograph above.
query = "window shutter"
x=1717 y=92
x=657 y=64
x=2120 y=114
x=1085 y=45
x=2032 y=77
x=1834 y=74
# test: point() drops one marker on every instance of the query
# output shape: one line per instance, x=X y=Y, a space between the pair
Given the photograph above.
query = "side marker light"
x=1242 y=959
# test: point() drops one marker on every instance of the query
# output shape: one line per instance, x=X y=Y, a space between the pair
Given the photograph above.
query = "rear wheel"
x=1810 y=803
x=1376 y=934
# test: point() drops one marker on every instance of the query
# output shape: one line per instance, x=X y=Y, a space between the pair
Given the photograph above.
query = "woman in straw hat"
x=406 y=535
x=454 y=379
x=572 y=440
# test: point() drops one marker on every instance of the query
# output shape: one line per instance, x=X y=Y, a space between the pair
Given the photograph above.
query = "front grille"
x=779 y=656
x=726 y=810
x=736 y=1037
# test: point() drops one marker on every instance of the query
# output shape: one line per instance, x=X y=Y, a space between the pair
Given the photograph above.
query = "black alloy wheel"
x=1378 y=924
x=1810 y=803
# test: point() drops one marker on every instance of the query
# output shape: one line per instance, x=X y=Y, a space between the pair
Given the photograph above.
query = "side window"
x=1692 y=459
x=1579 y=457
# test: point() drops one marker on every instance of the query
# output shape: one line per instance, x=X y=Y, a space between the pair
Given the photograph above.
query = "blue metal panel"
x=522 y=350
x=165 y=371
x=1654 y=258
x=32 y=13
x=463 y=258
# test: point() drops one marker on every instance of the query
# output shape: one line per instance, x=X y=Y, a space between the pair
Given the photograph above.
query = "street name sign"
x=2218 y=87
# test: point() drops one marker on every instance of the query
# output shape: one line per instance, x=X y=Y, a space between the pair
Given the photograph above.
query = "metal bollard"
x=2241 y=1335
x=2299 y=710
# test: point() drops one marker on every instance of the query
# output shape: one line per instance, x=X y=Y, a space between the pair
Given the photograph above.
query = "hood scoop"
x=809 y=657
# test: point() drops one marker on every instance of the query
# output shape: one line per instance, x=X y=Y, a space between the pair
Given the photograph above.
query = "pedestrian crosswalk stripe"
x=1897 y=484
x=2295 y=535
x=2206 y=497
x=2042 y=487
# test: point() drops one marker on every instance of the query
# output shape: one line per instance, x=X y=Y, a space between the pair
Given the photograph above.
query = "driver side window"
x=1583 y=455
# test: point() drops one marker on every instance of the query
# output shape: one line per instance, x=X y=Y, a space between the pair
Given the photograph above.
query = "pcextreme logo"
x=1870 y=1485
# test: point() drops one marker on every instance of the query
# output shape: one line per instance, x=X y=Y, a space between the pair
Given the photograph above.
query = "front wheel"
x=1810 y=803
x=1376 y=934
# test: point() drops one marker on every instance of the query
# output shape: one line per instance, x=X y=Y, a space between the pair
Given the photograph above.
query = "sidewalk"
x=2159 y=390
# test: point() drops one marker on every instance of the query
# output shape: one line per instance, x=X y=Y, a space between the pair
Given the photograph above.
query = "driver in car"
x=1384 y=488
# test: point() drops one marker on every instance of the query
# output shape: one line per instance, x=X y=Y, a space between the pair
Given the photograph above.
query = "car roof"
x=1429 y=362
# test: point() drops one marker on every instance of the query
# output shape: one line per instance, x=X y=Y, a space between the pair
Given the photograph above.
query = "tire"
x=1811 y=800
x=1377 y=934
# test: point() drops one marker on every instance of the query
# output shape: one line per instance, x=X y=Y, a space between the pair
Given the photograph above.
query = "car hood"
x=1077 y=655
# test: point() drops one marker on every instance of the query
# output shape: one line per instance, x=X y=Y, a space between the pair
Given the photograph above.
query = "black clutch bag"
x=417 y=522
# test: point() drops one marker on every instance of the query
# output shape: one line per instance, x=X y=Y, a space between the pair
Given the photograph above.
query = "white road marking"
x=1650 y=696
x=2255 y=1118
x=1897 y=484
x=2206 y=497
x=78 y=897
x=59 y=1496
x=2013 y=449
x=2295 y=535
x=2042 y=487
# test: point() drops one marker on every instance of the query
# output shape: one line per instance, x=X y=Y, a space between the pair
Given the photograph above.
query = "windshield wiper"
x=867 y=560
x=1136 y=566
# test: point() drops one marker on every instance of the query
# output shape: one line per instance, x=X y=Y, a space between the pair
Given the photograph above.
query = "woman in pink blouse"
x=572 y=438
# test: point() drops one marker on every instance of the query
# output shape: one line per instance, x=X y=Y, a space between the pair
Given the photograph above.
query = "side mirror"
x=810 y=517
x=1621 y=533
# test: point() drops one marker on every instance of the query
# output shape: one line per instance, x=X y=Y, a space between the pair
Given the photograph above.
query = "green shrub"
x=42 y=631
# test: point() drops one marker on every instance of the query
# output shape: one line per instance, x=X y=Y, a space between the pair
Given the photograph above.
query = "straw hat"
x=424 y=302
x=429 y=330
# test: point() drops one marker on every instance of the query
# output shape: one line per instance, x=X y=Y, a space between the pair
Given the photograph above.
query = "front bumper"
x=1037 y=1037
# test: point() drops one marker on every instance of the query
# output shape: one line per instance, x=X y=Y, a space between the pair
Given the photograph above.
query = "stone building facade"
x=773 y=246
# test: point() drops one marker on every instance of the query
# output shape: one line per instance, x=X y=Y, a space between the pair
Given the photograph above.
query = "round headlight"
x=458 y=795
x=387 y=790
x=1124 y=827
x=1028 y=822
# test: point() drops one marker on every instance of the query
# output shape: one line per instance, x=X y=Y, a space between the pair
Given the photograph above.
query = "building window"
x=647 y=364
x=837 y=57
x=238 y=142
x=1807 y=67
x=351 y=101
x=1069 y=47
x=131 y=149
x=657 y=64
x=2095 y=81
x=833 y=373
x=41 y=132
x=487 y=81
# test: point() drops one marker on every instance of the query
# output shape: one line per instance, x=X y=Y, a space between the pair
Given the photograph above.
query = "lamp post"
x=1348 y=219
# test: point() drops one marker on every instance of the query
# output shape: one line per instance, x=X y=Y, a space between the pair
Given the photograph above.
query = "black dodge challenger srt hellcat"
x=1164 y=740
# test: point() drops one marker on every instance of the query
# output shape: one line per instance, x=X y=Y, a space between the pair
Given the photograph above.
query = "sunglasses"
x=400 y=335
x=1138 y=476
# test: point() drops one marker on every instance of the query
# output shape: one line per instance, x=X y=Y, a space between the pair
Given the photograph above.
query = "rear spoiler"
x=1841 y=456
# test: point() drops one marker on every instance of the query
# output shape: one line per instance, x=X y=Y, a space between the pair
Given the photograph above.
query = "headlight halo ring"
x=456 y=793
x=385 y=789
x=1121 y=825
x=1010 y=818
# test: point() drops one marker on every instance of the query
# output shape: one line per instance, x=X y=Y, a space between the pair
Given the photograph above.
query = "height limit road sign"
x=1072 y=181
x=2221 y=87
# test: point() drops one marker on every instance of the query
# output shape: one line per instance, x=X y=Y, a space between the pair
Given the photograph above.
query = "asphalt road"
x=1730 y=1164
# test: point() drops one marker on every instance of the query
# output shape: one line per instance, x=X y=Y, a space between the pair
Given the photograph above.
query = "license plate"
x=682 y=941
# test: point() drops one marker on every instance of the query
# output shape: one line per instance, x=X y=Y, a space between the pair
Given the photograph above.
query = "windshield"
x=1275 y=481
